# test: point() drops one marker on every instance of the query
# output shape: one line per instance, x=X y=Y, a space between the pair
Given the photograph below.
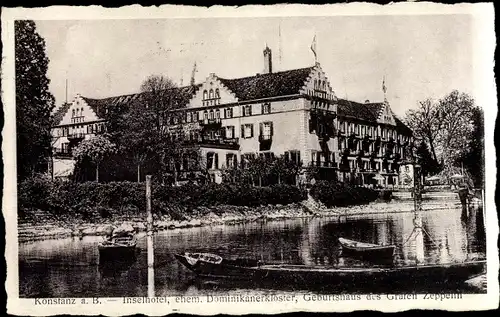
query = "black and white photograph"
x=253 y=162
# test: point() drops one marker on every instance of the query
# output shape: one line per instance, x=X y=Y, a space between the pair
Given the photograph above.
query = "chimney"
x=268 y=61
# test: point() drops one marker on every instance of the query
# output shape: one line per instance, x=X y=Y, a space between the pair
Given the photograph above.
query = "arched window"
x=81 y=111
x=217 y=114
x=205 y=115
x=211 y=115
x=205 y=94
x=315 y=84
x=217 y=94
x=211 y=94
x=73 y=113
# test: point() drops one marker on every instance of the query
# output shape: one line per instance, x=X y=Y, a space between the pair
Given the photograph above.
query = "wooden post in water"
x=417 y=221
x=151 y=272
x=417 y=187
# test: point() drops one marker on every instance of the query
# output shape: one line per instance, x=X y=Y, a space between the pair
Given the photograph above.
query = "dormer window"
x=266 y=108
x=247 y=110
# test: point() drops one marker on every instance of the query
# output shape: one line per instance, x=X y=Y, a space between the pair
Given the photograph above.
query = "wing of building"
x=294 y=113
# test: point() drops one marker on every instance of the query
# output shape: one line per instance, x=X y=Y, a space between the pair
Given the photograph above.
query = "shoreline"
x=221 y=215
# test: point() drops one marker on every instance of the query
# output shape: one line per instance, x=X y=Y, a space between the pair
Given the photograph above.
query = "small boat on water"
x=118 y=247
x=366 y=250
x=212 y=265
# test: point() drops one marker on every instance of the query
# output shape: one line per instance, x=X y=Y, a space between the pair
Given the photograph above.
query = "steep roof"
x=363 y=111
x=59 y=114
x=367 y=112
x=268 y=85
x=99 y=106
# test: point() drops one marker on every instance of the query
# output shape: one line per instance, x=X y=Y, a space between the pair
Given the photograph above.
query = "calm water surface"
x=70 y=267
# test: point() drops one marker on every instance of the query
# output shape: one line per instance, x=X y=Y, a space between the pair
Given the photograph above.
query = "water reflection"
x=71 y=268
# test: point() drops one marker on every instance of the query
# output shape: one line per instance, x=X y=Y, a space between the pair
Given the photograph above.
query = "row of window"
x=90 y=128
x=360 y=129
x=343 y=143
x=266 y=132
x=378 y=166
x=232 y=160
x=77 y=112
x=78 y=119
x=214 y=114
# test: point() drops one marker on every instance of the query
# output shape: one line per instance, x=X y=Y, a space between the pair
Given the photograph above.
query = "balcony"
x=221 y=143
x=76 y=136
x=211 y=123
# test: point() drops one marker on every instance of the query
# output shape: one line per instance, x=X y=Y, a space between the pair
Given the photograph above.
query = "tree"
x=161 y=97
x=95 y=149
x=425 y=123
x=34 y=102
x=473 y=158
x=444 y=125
x=456 y=125
x=425 y=159
x=128 y=130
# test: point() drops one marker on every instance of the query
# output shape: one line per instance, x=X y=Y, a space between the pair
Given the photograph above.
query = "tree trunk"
x=97 y=172
x=433 y=151
x=175 y=175
x=138 y=173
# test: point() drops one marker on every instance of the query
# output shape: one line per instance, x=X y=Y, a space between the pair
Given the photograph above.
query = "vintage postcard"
x=255 y=159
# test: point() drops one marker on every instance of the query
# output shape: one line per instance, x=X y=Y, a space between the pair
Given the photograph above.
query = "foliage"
x=455 y=115
x=34 y=102
x=261 y=171
x=132 y=139
x=425 y=159
x=335 y=194
x=473 y=158
x=143 y=131
x=445 y=125
x=425 y=123
x=91 y=199
x=95 y=149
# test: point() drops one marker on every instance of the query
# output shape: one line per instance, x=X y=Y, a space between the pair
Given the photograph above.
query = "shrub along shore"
x=57 y=209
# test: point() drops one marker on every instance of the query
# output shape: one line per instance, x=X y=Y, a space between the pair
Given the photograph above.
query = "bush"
x=91 y=200
x=334 y=194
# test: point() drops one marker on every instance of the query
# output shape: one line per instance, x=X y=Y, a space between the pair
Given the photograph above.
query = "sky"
x=420 y=56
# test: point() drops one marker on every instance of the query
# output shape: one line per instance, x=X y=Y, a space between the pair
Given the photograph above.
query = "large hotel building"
x=294 y=113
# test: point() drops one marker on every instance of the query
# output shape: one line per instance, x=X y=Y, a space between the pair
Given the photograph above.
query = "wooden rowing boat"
x=366 y=250
x=117 y=248
x=211 y=265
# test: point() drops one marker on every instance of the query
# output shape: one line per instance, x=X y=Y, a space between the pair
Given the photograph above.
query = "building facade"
x=293 y=113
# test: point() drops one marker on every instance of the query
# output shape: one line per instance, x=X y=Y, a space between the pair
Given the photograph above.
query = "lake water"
x=70 y=267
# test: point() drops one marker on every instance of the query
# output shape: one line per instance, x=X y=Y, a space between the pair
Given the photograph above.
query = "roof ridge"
x=139 y=93
x=266 y=74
